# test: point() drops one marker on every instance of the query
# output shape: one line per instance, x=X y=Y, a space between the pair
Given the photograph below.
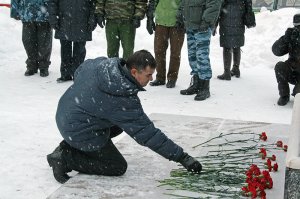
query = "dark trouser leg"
x=29 y=38
x=227 y=56
x=283 y=73
x=108 y=161
x=160 y=47
x=127 y=36
x=112 y=38
x=176 y=42
x=79 y=53
x=66 y=58
x=44 y=43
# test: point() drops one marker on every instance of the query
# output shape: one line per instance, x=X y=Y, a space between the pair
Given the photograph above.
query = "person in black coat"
x=288 y=71
x=101 y=104
x=73 y=22
x=232 y=21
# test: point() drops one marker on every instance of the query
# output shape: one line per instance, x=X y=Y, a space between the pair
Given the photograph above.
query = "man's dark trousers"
x=72 y=55
x=37 y=41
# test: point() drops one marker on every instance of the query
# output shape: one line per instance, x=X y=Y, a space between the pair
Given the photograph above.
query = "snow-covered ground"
x=27 y=126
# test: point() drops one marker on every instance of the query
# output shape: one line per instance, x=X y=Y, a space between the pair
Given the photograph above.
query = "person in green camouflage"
x=120 y=18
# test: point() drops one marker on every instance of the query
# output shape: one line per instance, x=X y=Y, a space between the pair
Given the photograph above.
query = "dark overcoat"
x=231 y=22
x=104 y=94
x=73 y=18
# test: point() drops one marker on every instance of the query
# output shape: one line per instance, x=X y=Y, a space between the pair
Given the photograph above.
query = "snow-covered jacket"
x=73 y=18
x=30 y=10
x=104 y=94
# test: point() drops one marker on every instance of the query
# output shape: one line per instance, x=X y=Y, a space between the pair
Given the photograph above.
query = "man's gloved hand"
x=54 y=25
x=150 y=25
x=100 y=20
x=190 y=163
x=92 y=24
x=288 y=34
x=136 y=23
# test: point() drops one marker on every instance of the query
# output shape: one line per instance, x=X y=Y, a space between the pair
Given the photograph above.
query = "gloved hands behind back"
x=100 y=20
x=190 y=163
x=150 y=25
x=136 y=23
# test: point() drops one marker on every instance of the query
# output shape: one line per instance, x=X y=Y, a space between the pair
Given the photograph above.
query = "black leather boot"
x=227 y=64
x=236 y=62
x=30 y=72
x=203 y=93
x=157 y=83
x=193 y=88
x=283 y=100
x=58 y=164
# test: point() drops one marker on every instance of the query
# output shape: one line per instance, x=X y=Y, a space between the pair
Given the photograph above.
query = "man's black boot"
x=203 y=93
x=44 y=72
x=227 y=65
x=235 y=71
x=59 y=166
x=64 y=79
x=171 y=84
x=283 y=100
x=30 y=72
x=157 y=83
x=193 y=88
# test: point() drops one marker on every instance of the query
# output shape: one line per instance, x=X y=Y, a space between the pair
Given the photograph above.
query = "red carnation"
x=285 y=148
x=275 y=167
x=279 y=143
x=263 y=136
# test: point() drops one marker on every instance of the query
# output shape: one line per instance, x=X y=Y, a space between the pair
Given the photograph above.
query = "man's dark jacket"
x=104 y=94
x=73 y=18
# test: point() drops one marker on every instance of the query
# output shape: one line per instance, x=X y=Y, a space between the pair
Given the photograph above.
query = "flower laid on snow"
x=279 y=143
x=263 y=136
x=225 y=173
x=285 y=148
x=263 y=153
x=257 y=182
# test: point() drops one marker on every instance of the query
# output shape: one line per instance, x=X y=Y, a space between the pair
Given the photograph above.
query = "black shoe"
x=235 y=72
x=157 y=83
x=193 y=88
x=283 y=100
x=203 y=93
x=44 y=72
x=171 y=83
x=225 y=76
x=58 y=165
x=30 y=72
x=64 y=79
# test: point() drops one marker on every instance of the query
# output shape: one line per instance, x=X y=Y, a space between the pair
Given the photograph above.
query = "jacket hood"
x=115 y=79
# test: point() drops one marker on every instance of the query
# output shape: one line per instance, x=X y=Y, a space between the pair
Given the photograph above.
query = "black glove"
x=100 y=20
x=54 y=25
x=92 y=24
x=190 y=163
x=136 y=23
x=150 y=26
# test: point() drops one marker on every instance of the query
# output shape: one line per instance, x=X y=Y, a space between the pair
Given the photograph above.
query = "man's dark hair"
x=140 y=60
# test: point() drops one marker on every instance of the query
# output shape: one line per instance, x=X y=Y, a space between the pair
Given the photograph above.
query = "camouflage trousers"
x=198 y=52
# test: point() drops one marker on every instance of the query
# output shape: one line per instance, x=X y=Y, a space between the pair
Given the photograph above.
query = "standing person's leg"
x=203 y=64
x=236 y=62
x=191 y=45
x=79 y=53
x=227 y=57
x=112 y=38
x=127 y=36
x=176 y=42
x=283 y=73
x=66 y=61
x=161 y=37
x=44 y=44
x=29 y=39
